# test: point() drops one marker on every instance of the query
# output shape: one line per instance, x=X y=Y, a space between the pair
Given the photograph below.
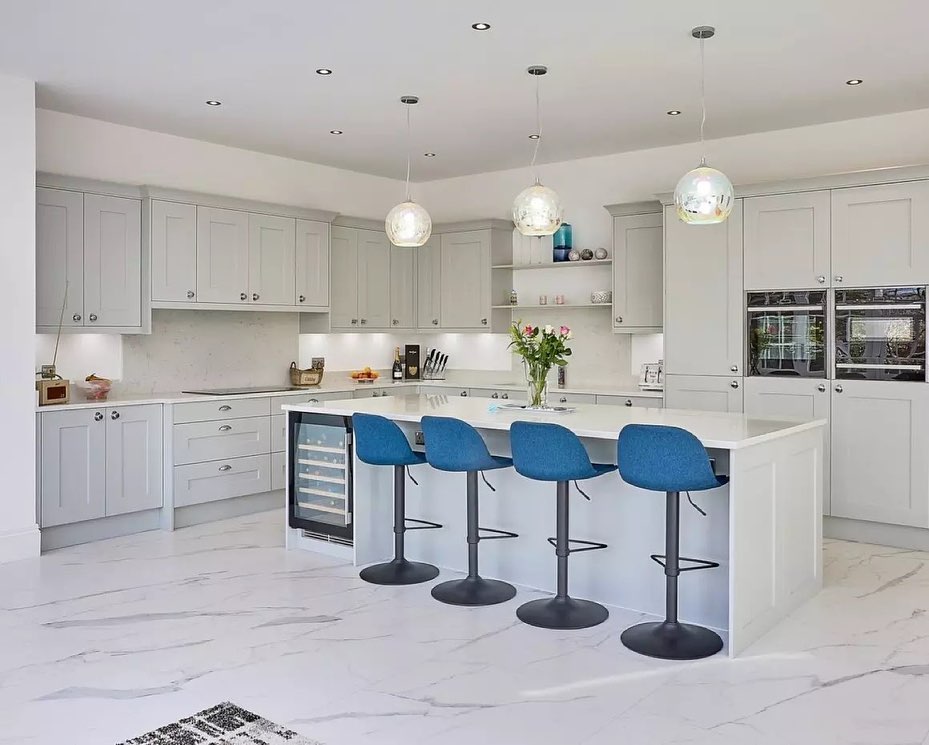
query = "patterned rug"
x=223 y=724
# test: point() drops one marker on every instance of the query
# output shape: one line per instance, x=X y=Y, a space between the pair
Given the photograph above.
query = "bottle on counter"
x=562 y=376
x=397 y=370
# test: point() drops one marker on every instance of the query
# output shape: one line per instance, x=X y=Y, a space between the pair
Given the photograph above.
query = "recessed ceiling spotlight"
x=854 y=81
x=533 y=137
x=214 y=103
x=480 y=26
x=429 y=155
x=323 y=71
x=335 y=131
x=673 y=112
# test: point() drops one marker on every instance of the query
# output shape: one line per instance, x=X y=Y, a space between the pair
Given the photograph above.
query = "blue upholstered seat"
x=380 y=442
x=550 y=452
x=666 y=459
x=454 y=445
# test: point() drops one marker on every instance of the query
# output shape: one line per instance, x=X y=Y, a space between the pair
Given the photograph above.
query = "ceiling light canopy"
x=480 y=26
x=703 y=196
x=214 y=103
x=537 y=210
x=408 y=225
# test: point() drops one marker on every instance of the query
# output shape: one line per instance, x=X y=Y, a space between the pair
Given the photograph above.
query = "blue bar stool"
x=671 y=460
x=380 y=442
x=550 y=452
x=454 y=445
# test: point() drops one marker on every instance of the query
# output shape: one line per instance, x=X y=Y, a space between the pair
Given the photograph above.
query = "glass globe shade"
x=408 y=225
x=703 y=196
x=537 y=210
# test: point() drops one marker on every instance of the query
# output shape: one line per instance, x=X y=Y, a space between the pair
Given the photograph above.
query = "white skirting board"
x=863 y=531
x=226 y=508
x=19 y=544
x=88 y=531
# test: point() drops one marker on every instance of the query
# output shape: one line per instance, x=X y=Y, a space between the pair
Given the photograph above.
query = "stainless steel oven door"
x=787 y=334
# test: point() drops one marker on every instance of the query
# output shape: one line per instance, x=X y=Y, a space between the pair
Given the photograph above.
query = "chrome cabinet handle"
x=435 y=321
x=494 y=395
x=92 y=316
x=243 y=296
x=734 y=384
x=839 y=389
x=98 y=416
x=821 y=279
x=395 y=322
x=190 y=294
x=225 y=467
x=562 y=400
x=225 y=428
x=314 y=401
x=114 y=415
x=505 y=395
x=354 y=322
x=734 y=368
x=364 y=321
x=76 y=317
x=255 y=296
x=303 y=298
x=619 y=319
x=225 y=407
x=484 y=321
x=838 y=277
x=821 y=388
x=628 y=402
x=464 y=393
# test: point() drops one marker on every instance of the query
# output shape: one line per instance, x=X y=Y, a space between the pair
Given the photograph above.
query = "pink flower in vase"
x=527 y=331
x=565 y=331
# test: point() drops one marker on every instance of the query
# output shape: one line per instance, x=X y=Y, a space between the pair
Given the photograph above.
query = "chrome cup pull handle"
x=225 y=428
x=225 y=467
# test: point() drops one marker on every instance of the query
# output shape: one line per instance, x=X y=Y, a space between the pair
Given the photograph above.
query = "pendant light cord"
x=409 y=148
x=538 y=127
x=702 y=102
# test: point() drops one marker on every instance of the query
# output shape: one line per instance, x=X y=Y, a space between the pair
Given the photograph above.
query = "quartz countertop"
x=597 y=421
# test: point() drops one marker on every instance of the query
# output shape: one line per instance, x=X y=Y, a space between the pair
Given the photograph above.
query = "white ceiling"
x=615 y=67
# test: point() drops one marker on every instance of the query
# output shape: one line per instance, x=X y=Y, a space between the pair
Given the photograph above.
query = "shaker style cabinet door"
x=174 y=252
x=134 y=457
x=428 y=285
x=465 y=286
x=880 y=235
x=704 y=302
x=312 y=264
x=787 y=241
x=222 y=256
x=638 y=272
x=73 y=466
x=403 y=287
x=271 y=246
x=112 y=261
x=343 y=300
x=703 y=393
x=374 y=281
x=880 y=437
x=59 y=253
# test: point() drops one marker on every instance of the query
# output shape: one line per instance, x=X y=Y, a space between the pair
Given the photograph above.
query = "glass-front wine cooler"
x=319 y=479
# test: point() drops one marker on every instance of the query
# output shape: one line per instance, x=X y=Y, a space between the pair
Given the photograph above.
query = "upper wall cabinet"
x=312 y=264
x=174 y=251
x=222 y=256
x=343 y=306
x=403 y=287
x=637 y=273
x=374 y=281
x=787 y=241
x=89 y=258
x=271 y=256
x=465 y=285
x=880 y=235
x=429 y=285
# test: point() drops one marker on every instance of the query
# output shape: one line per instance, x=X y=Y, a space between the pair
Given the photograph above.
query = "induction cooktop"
x=245 y=391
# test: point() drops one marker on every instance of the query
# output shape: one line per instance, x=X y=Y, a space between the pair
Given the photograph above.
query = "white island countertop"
x=597 y=421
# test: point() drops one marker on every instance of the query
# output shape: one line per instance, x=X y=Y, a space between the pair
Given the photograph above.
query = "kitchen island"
x=764 y=528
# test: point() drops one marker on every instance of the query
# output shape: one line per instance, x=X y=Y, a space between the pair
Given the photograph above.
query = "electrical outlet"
x=418 y=438
x=48 y=372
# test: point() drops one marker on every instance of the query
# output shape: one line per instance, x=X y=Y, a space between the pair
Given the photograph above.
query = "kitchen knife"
x=442 y=364
x=430 y=361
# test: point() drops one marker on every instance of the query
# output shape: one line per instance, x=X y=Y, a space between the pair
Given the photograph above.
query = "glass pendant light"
x=537 y=210
x=408 y=225
x=704 y=195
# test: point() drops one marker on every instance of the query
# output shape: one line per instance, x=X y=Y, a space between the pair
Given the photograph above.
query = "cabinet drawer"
x=557 y=398
x=441 y=390
x=211 y=482
x=305 y=398
x=645 y=402
x=278 y=471
x=278 y=433
x=506 y=395
x=232 y=438
x=229 y=408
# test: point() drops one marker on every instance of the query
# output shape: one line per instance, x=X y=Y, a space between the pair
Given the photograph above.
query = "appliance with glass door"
x=880 y=334
x=319 y=475
x=787 y=333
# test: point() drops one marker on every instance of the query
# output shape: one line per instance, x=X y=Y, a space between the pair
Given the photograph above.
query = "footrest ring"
x=497 y=534
x=587 y=545
x=660 y=559
x=420 y=524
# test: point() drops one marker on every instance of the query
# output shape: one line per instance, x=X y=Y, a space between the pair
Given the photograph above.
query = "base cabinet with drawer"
x=639 y=402
x=703 y=393
x=98 y=463
x=198 y=483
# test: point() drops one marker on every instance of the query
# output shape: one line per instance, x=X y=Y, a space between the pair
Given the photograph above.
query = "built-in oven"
x=319 y=478
x=787 y=333
x=880 y=334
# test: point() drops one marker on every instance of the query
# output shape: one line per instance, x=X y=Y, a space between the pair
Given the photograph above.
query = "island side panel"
x=775 y=535
x=373 y=511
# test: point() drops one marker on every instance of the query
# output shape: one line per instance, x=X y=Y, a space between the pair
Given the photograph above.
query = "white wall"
x=19 y=535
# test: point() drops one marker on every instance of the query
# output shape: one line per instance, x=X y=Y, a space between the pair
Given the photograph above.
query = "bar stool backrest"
x=548 y=452
x=667 y=459
x=380 y=442
x=454 y=445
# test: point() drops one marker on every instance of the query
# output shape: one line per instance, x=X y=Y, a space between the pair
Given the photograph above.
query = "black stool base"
x=399 y=572
x=562 y=613
x=672 y=640
x=473 y=591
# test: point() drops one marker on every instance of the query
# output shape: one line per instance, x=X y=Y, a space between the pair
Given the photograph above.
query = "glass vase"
x=537 y=382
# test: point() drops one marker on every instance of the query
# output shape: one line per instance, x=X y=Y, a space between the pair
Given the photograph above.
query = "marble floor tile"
x=109 y=640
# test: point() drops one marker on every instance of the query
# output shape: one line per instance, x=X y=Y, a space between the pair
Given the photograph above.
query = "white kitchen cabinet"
x=271 y=257
x=880 y=235
x=222 y=256
x=704 y=303
x=343 y=302
x=73 y=467
x=703 y=393
x=429 y=285
x=59 y=256
x=196 y=442
x=112 y=261
x=639 y=402
x=199 y=483
x=561 y=398
x=174 y=251
x=880 y=437
x=374 y=281
x=638 y=263
x=787 y=241
x=772 y=397
x=134 y=458
x=403 y=287
x=278 y=471
x=312 y=264
x=465 y=294
x=511 y=396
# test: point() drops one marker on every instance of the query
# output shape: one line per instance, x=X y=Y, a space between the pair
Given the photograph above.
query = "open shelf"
x=556 y=306
x=555 y=264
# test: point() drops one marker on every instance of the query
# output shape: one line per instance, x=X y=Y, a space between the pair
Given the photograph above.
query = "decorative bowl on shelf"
x=574 y=255
x=600 y=253
x=587 y=254
x=601 y=296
